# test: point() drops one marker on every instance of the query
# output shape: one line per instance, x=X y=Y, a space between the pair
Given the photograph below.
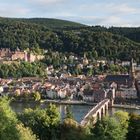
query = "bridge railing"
x=94 y=109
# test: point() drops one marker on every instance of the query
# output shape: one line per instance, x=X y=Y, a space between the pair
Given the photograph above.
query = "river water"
x=79 y=111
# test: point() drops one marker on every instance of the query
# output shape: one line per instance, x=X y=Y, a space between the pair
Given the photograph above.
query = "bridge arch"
x=102 y=112
x=97 y=111
x=98 y=115
x=106 y=108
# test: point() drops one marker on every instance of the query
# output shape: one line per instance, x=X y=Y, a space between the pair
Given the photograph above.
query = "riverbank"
x=65 y=102
x=75 y=102
x=68 y=102
x=126 y=106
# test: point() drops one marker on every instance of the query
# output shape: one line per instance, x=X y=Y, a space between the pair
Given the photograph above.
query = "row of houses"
x=91 y=89
x=125 y=86
x=53 y=88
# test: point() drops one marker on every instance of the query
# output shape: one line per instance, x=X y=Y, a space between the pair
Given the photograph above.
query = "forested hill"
x=96 y=41
x=47 y=22
x=129 y=32
x=132 y=33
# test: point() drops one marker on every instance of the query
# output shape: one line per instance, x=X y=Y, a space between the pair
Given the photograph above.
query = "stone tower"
x=132 y=73
x=132 y=69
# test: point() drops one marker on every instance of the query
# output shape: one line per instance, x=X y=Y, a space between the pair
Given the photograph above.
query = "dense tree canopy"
x=99 y=41
x=108 y=129
x=22 y=69
x=10 y=127
x=134 y=127
x=44 y=123
x=47 y=125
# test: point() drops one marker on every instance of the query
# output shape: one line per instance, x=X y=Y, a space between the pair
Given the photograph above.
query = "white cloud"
x=107 y=12
x=7 y=10
x=119 y=22
x=110 y=21
x=46 y=2
x=121 y=9
x=110 y=14
x=104 y=21
x=114 y=20
x=110 y=8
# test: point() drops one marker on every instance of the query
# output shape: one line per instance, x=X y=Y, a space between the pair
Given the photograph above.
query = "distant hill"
x=54 y=23
x=48 y=22
x=65 y=36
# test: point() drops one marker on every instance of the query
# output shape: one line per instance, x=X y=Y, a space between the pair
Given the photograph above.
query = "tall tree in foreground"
x=44 y=123
x=71 y=130
x=108 y=129
x=134 y=127
x=123 y=119
x=10 y=127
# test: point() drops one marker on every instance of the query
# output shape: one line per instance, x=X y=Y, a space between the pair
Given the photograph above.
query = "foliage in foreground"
x=46 y=124
x=108 y=129
x=10 y=127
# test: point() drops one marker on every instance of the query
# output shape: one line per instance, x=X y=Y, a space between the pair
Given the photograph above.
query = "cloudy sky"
x=90 y=12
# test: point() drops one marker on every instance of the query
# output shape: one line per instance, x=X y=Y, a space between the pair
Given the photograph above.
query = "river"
x=79 y=111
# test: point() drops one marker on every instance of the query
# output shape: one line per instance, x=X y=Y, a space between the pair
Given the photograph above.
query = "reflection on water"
x=79 y=111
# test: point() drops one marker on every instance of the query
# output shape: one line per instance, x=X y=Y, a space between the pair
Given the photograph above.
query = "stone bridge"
x=97 y=112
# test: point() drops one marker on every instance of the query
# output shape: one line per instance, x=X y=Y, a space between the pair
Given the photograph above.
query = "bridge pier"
x=111 y=103
x=99 y=116
x=106 y=109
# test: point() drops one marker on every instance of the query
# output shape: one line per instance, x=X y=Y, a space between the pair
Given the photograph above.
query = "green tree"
x=71 y=130
x=90 y=71
x=25 y=133
x=95 y=54
x=69 y=113
x=101 y=68
x=108 y=129
x=8 y=122
x=134 y=127
x=123 y=118
x=36 y=96
x=36 y=120
x=44 y=123
x=53 y=114
x=10 y=127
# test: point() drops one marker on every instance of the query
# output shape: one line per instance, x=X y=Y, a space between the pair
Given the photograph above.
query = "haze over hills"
x=66 y=36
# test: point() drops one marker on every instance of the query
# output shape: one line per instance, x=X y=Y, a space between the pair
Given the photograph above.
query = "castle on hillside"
x=8 y=55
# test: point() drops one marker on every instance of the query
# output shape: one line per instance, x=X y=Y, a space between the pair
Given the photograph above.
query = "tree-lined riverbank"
x=43 y=122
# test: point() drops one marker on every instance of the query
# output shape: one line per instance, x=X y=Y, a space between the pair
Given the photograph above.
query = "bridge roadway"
x=97 y=111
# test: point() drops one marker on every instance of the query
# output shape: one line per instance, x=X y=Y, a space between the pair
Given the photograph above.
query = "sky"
x=91 y=12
